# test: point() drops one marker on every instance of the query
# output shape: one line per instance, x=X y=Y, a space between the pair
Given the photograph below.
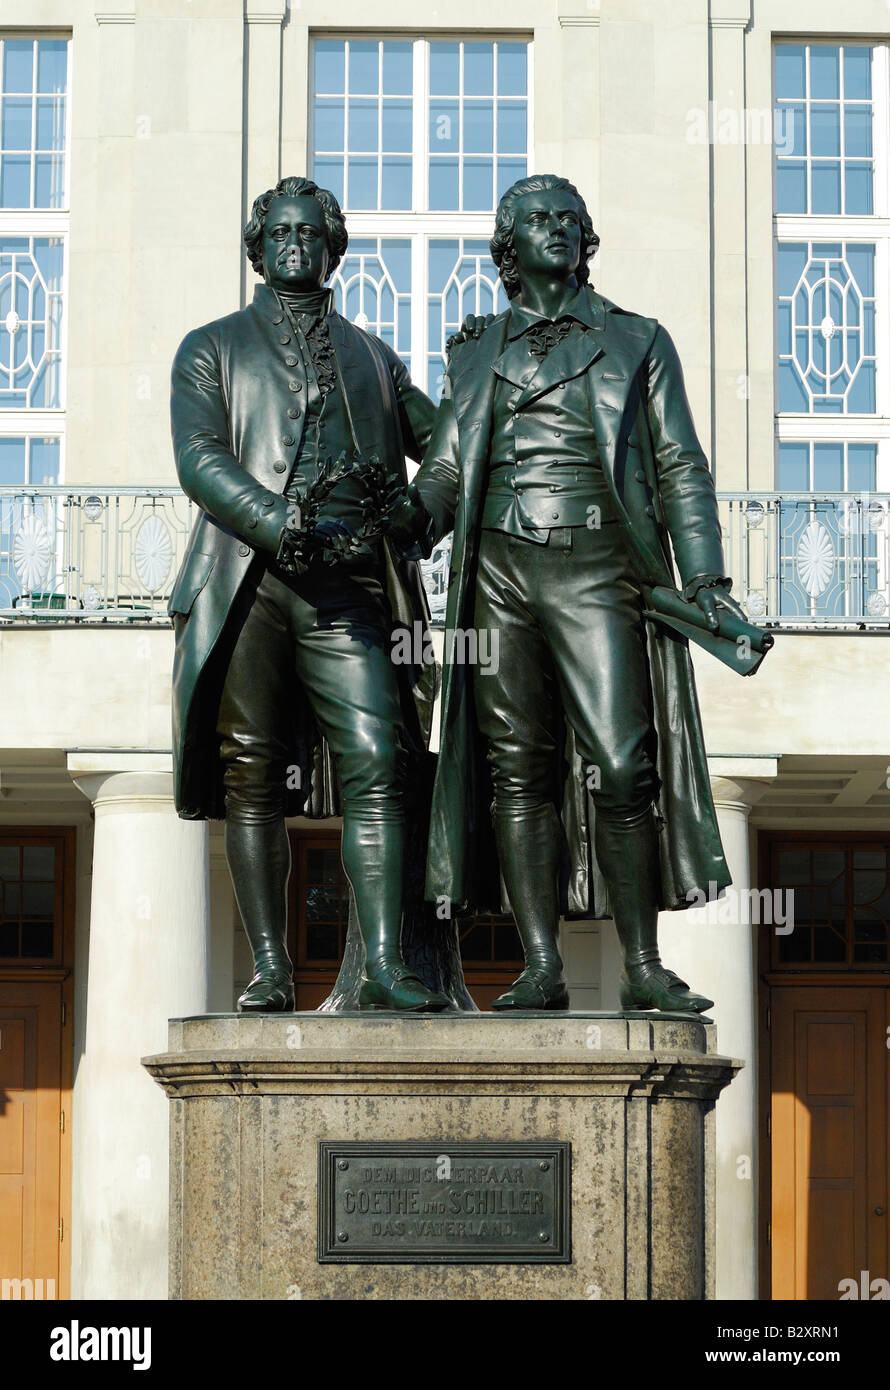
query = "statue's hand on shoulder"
x=473 y=326
x=714 y=599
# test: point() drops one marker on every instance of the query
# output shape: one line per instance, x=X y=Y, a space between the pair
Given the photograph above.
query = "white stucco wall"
x=182 y=112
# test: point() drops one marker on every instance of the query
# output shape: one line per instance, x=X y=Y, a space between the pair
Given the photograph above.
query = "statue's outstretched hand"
x=712 y=601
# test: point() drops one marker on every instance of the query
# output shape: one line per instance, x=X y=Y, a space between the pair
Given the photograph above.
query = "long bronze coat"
x=662 y=486
x=232 y=389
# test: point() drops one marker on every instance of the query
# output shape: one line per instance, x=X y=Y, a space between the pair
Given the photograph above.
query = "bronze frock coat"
x=661 y=484
x=238 y=394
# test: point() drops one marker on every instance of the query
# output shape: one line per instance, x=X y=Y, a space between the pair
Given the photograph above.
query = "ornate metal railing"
x=809 y=559
x=80 y=554
x=86 y=554
x=435 y=581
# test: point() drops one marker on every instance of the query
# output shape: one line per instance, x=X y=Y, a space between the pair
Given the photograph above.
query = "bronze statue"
x=290 y=428
x=564 y=457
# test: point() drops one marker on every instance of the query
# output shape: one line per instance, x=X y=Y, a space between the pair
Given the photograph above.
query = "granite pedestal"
x=627 y=1101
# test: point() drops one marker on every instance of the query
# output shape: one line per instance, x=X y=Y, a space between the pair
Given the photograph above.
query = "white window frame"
x=43 y=424
x=874 y=229
x=420 y=225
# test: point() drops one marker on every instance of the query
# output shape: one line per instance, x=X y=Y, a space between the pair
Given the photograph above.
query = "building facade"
x=736 y=161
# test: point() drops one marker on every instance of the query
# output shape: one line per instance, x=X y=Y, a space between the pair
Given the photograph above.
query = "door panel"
x=829 y=1152
x=310 y=996
x=30 y=1137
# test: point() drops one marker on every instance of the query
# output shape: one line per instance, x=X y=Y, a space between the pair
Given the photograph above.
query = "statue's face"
x=295 y=244
x=547 y=234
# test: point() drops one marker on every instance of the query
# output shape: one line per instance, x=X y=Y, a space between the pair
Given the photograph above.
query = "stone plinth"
x=252 y=1097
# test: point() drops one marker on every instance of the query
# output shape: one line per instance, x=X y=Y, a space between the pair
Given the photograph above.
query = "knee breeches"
x=567 y=621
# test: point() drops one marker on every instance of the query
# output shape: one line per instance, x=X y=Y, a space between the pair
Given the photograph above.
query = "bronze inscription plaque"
x=444 y=1201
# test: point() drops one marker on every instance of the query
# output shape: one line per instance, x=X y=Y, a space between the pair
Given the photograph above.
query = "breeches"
x=328 y=634
x=570 y=634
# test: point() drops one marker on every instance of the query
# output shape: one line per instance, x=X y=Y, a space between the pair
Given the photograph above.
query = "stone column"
x=714 y=948
x=147 y=961
x=727 y=123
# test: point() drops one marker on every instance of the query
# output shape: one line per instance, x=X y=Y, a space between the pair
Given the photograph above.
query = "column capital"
x=736 y=793
x=123 y=781
x=740 y=782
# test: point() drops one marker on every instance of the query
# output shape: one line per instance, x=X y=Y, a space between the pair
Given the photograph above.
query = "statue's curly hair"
x=502 y=250
x=296 y=188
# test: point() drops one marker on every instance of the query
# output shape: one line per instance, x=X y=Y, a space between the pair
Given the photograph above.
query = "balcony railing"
x=809 y=559
x=87 y=555
x=80 y=554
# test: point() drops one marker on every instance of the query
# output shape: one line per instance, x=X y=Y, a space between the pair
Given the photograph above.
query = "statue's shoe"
x=268 y=995
x=536 y=988
x=396 y=987
x=653 y=986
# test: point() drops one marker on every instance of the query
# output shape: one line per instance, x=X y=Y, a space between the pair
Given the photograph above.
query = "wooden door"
x=829 y=1065
x=30 y=1136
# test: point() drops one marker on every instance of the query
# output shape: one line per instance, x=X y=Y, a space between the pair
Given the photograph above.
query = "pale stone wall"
x=182 y=111
x=98 y=688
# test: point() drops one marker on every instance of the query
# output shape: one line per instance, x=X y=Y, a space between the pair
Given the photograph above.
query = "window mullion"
x=842 y=135
x=33 y=156
x=63 y=327
x=67 y=97
x=530 y=108
x=380 y=123
x=494 y=128
x=882 y=326
x=419 y=108
x=419 y=202
x=881 y=128
x=419 y=261
x=346 y=123
x=460 y=128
